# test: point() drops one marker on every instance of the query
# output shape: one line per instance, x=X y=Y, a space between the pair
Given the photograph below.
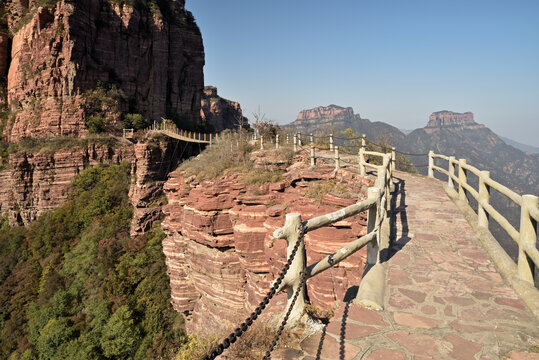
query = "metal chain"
x=254 y=315
x=283 y=323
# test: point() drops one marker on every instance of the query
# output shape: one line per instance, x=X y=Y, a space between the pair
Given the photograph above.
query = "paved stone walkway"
x=445 y=299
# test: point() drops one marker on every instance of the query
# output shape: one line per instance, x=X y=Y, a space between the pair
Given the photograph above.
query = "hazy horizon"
x=395 y=62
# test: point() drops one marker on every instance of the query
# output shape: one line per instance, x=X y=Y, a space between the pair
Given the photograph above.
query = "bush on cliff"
x=74 y=285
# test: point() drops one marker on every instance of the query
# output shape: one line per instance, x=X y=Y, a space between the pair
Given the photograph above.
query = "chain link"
x=283 y=323
x=231 y=339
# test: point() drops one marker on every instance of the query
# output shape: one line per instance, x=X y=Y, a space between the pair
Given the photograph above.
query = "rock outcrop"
x=152 y=54
x=446 y=119
x=330 y=112
x=220 y=253
x=153 y=160
x=220 y=114
x=37 y=181
x=334 y=119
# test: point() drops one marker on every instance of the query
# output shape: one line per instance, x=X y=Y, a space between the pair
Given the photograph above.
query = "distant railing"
x=525 y=237
x=168 y=128
x=295 y=273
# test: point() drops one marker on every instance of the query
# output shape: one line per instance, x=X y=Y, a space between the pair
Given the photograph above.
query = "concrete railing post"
x=277 y=141
x=431 y=164
x=463 y=179
x=287 y=139
x=362 y=170
x=299 y=140
x=527 y=238
x=261 y=142
x=313 y=159
x=373 y=248
x=330 y=142
x=337 y=159
x=451 y=172
x=364 y=141
x=484 y=196
x=311 y=138
x=393 y=159
x=293 y=232
x=295 y=142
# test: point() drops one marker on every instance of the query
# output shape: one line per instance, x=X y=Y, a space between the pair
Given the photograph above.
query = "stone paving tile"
x=444 y=297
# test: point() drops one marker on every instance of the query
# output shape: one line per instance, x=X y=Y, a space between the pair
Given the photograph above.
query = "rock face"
x=152 y=54
x=220 y=253
x=452 y=119
x=330 y=112
x=153 y=160
x=334 y=119
x=39 y=181
x=219 y=113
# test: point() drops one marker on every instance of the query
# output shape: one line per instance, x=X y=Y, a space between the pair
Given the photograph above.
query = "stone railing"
x=372 y=286
x=521 y=275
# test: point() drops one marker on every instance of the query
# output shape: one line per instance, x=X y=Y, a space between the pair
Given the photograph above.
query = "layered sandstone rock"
x=154 y=158
x=153 y=55
x=220 y=253
x=452 y=119
x=39 y=181
x=221 y=113
x=326 y=112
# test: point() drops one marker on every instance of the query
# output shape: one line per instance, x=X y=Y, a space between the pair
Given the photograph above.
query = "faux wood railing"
x=371 y=291
x=525 y=237
x=168 y=128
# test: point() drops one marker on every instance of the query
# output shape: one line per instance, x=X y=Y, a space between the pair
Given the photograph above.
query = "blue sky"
x=392 y=61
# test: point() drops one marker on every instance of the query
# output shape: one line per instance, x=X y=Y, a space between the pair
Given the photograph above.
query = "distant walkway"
x=444 y=299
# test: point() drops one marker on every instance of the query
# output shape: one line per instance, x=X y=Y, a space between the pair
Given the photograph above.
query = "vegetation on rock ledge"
x=74 y=285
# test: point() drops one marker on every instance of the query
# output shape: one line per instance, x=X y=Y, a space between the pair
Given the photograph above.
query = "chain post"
x=337 y=159
x=295 y=142
x=330 y=142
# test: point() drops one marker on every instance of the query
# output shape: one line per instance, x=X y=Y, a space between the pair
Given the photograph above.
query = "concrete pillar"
x=451 y=171
x=277 y=141
x=330 y=142
x=484 y=196
x=337 y=159
x=431 y=164
x=313 y=160
x=373 y=248
x=295 y=142
x=527 y=238
x=463 y=179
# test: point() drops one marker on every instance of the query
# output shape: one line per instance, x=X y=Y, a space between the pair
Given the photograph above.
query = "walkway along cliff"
x=450 y=287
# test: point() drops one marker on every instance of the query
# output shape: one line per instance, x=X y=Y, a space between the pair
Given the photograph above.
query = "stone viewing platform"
x=444 y=297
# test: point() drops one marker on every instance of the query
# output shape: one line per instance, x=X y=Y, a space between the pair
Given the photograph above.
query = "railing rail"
x=525 y=237
x=295 y=228
x=168 y=128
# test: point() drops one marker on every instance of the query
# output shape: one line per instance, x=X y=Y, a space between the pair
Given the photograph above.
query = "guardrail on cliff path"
x=170 y=129
x=295 y=273
x=521 y=275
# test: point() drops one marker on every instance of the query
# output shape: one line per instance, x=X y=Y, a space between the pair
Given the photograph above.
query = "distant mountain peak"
x=327 y=112
x=446 y=118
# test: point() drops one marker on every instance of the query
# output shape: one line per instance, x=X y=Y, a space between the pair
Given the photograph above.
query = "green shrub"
x=135 y=121
x=75 y=285
x=96 y=124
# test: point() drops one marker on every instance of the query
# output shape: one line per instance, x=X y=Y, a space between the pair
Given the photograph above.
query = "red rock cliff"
x=221 y=113
x=449 y=118
x=220 y=253
x=153 y=54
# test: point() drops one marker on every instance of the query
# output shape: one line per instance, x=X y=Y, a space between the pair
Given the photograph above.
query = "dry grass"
x=219 y=160
x=252 y=345
x=261 y=177
x=318 y=190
